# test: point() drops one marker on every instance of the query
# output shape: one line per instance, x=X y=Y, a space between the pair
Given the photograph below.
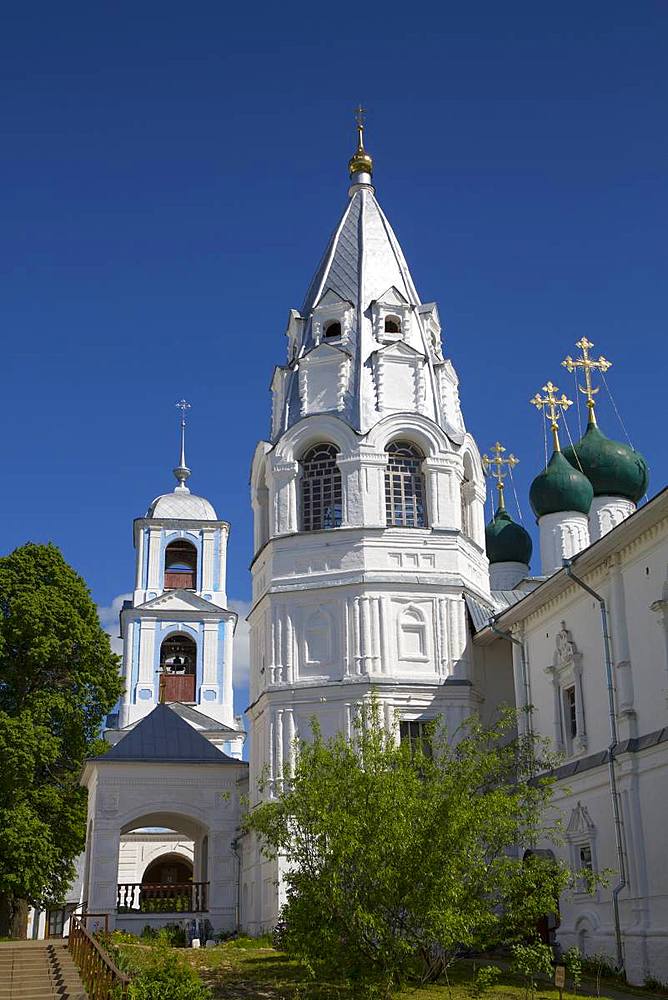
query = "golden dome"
x=361 y=162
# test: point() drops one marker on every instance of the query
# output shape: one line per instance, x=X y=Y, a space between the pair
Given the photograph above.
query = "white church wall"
x=564 y=649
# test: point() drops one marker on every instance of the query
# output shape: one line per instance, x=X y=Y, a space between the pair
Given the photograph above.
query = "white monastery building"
x=373 y=571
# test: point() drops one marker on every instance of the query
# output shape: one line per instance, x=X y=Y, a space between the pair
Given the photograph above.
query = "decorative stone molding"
x=566 y=672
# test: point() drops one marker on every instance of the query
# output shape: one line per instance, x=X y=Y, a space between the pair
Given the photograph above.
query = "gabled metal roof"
x=164 y=737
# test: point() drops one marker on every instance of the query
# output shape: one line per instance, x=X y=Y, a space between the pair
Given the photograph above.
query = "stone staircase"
x=38 y=970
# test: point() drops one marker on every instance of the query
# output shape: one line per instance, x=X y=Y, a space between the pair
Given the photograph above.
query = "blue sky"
x=171 y=174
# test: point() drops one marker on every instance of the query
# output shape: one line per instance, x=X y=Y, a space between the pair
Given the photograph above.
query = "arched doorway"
x=170 y=882
x=168 y=869
x=178 y=662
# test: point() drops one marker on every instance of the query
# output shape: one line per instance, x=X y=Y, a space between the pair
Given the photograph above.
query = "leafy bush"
x=171 y=934
x=573 y=963
x=484 y=979
x=656 y=986
x=531 y=961
x=167 y=976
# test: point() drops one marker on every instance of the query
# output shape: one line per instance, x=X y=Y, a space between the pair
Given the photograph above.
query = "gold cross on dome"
x=495 y=467
x=588 y=365
x=360 y=116
x=554 y=406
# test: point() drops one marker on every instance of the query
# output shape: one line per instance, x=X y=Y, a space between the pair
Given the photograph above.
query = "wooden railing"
x=162 y=897
x=102 y=979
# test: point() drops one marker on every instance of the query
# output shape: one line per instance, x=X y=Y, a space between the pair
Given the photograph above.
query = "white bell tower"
x=368 y=507
x=177 y=630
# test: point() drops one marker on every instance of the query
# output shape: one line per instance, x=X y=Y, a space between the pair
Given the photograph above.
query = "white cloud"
x=241 y=644
x=109 y=620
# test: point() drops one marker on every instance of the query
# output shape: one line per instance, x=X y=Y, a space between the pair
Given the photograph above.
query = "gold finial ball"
x=360 y=163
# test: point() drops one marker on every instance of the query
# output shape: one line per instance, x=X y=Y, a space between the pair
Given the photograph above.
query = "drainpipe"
x=612 y=778
x=237 y=917
x=525 y=672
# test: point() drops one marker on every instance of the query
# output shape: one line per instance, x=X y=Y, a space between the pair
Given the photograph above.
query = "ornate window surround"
x=411 y=621
x=566 y=672
x=581 y=833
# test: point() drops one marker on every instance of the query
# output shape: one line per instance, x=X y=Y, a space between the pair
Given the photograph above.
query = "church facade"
x=373 y=571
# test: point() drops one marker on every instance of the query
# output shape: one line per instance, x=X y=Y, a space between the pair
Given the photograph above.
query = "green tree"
x=58 y=679
x=398 y=860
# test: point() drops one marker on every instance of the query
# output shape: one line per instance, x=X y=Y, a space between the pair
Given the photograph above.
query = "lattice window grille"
x=404 y=487
x=321 y=489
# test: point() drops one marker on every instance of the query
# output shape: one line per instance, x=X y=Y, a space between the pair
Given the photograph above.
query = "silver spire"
x=182 y=472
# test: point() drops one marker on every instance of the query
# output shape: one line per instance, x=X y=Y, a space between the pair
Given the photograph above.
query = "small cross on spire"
x=588 y=365
x=495 y=467
x=554 y=406
x=182 y=472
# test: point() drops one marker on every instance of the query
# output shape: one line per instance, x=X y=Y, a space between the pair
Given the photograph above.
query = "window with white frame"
x=581 y=836
x=416 y=734
x=404 y=486
x=569 y=714
x=321 y=489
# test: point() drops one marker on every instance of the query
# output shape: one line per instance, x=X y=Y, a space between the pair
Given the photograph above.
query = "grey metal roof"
x=163 y=736
x=340 y=268
x=481 y=612
x=199 y=719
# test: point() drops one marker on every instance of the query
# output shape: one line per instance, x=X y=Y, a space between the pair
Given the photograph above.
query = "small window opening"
x=416 y=735
x=586 y=861
x=570 y=714
x=332 y=331
x=180 y=566
x=392 y=325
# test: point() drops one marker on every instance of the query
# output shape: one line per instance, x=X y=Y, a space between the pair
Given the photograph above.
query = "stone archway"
x=168 y=869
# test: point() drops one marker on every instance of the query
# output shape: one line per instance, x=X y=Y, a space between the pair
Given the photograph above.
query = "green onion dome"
x=507 y=541
x=613 y=469
x=559 y=488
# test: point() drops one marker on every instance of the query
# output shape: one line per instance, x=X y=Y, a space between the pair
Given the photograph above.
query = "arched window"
x=178 y=662
x=404 y=486
x=332 y=331
x=180 y=566
x=392 y=325
x=321 y=489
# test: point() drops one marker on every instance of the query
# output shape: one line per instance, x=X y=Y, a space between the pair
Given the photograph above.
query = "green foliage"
x=485 y=978
x=573 y=963
x=172 y=935
x=532 y=960
x=58 y=679
x=167 y=976
x=408 y=854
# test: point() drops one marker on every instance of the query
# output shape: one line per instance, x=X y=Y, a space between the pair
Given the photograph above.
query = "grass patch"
x=246 y=968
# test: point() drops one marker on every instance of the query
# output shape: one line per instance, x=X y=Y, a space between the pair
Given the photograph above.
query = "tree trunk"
x=13 y=917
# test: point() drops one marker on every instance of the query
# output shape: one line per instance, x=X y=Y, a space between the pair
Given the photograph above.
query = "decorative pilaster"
x=283 y=497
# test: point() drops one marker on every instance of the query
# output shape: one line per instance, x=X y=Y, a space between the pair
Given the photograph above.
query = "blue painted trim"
x=194 y=537
x=145 y=548
x=134 y=665
x=216 y=563
x=171 y=629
